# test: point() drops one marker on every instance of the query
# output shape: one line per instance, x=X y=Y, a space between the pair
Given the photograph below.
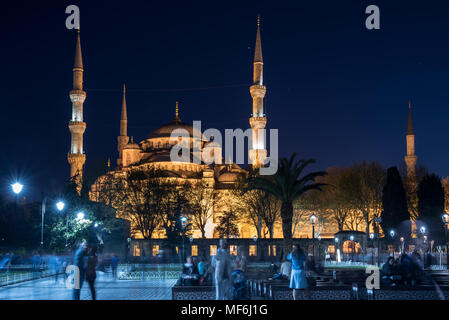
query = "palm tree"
x=287 y=185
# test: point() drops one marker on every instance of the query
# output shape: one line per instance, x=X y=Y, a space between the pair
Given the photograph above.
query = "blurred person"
x=240 y=260
x=91 y=269
x=221 y=262
x=114 y=265
x=79 y=260
x=298 y=280
x=406 y=269
x=190 y=275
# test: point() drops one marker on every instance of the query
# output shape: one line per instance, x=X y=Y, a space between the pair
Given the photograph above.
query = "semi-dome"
x=228 y=177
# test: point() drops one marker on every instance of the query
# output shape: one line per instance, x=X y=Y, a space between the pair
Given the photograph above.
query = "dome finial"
x=258 y=20
x=177 y=110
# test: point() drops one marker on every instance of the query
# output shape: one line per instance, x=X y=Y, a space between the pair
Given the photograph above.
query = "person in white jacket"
x=223 y=272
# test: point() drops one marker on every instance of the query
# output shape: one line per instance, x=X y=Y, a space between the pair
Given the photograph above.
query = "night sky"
x=336 y=91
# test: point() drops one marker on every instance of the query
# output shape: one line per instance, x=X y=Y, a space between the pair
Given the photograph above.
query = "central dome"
x=166 y=130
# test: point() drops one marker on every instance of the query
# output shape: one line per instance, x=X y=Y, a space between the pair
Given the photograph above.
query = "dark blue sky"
x=336 y=91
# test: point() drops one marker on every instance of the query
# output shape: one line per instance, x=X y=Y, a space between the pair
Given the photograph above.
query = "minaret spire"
x=77 y=126
x=410 y=158
x=258 y=121
x=123 y=137
x=176 y=118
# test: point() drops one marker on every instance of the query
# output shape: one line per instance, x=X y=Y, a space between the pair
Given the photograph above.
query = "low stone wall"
x=193 y=293
x=148 y=275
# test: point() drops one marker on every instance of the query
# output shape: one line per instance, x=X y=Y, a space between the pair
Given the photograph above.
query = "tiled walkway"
x=107 y=289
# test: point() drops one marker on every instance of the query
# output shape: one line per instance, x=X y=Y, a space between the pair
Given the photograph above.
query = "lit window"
x=177 y=250
x=213 y=250
x=136 y=251
x=155 y=250
x=272 y=250
x=233 y=250
x=194 y=250
x=252 y=250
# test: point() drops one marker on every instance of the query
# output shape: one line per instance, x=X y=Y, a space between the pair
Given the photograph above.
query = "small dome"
x=132 y=145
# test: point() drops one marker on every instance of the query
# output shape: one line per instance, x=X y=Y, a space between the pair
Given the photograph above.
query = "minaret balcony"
x=258 y=122
x=258 y=91
x=77 y=95
x=77 y=127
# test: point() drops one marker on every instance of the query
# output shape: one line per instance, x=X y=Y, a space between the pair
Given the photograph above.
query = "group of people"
x=227 y=273
x=406 y=271
x=85 y=259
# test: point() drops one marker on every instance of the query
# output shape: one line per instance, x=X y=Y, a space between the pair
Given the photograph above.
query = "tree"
x=431 y=205
x=288 y=185
x=445 y=182
x=200 y=199
x=227 y=225
x=394 y=202
x=136 y=195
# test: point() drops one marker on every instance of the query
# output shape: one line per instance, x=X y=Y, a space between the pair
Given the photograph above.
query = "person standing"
x=298 y=280
x=222 y=264
x=79 y=261
x=91 y=270
x=114 y=264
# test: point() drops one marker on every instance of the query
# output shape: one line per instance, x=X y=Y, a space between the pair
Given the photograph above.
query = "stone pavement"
x=107 y=289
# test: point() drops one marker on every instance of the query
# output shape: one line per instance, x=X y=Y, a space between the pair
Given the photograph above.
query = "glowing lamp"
x=17 y=187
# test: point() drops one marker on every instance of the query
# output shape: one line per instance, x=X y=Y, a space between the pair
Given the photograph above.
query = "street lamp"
x=402 y=244
x=378 y=221
x=60 y=206
x=80 y=216
x=16 y=187
x=392 y=234
x=313 y=221
x=371 y=236
x=184 y=224
x=445 y=218
x=351 y=237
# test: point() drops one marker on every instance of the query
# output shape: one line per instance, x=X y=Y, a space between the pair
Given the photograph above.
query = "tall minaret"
x=258 y=153
x=76 y=157
x=410 y=158
x=123 y=137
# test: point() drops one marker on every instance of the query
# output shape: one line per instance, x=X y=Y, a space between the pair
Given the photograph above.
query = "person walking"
x=79 y=260
x=91 y=270
x=298 y=280
x=223 y=274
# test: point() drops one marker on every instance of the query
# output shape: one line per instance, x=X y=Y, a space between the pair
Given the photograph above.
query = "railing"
x=21 y=273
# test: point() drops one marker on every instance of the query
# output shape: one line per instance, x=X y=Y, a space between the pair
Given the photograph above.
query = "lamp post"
x=353 y=246
x=184 y=224
x=16 y=189
x=378 y=221
x=336 y=249
x=313 y=221
x=371 y=236
x=392 y=234
x=60 y=206
x=402 y=244
x=445 y=218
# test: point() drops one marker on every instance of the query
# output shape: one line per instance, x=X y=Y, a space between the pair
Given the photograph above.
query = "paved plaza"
x=107 y=289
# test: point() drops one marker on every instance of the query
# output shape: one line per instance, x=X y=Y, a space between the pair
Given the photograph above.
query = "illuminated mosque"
x=154 y=151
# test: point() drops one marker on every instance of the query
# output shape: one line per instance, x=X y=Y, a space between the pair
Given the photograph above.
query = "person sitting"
x=190 y=275
x=389 y=272
x=285 y=272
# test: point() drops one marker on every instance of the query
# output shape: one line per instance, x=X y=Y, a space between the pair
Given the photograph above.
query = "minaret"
x=410 y=158
x=123 y=137
x=258 y=153
x=76 y=157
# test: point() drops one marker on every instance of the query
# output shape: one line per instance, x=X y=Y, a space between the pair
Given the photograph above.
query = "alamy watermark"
x=212 y=151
